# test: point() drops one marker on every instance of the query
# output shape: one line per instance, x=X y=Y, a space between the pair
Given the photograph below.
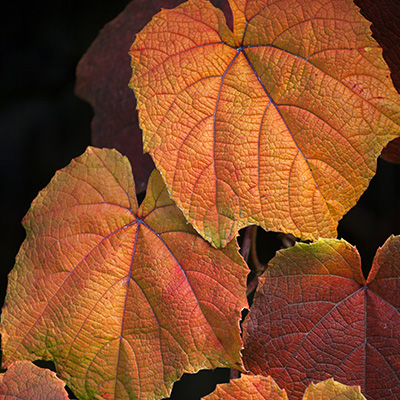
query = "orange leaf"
x=24 y=380
x=315 y=317
x=278 y=123
x=258 y=387
x=331 y=390
x=248 y=387
x=124 y=299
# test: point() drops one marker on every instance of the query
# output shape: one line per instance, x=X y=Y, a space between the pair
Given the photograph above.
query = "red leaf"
x=25 y=381
x=103 y=75
x=124 y=299
x=314 y=318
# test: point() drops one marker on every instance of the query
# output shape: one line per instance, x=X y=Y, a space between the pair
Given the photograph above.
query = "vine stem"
x=247 y=242
x=258 y=267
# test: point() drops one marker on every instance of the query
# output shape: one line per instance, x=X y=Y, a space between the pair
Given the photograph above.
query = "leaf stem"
x=247 y=242
x=257 y=266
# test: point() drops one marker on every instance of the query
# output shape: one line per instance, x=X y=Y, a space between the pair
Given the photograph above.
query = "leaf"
x=103 y=75
x=314 y=317
x=102 y=78
x=257 y=387
x=331 y=390
x=248 y=387
x=277 y=124
x=24 y=380
x=124 y=299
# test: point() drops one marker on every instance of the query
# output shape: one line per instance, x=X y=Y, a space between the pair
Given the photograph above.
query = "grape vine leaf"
x=124 y=299
x=331 y=390
x=102 y=78
x=254 y=387
x=258 y=387
x=25 y=381
x=315 y=317
x=278 y=123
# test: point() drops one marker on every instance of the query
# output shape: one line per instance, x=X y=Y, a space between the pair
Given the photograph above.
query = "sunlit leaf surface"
x=124 y=299
x=258 y=387
x=248 y=387
x=278 y=123
x=315 y=317
x=25 y=381
x=331 y=390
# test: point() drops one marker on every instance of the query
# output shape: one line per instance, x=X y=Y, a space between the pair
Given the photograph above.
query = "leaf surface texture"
x=315 y=317
x=124 y=299
x=277 y=123
x=25 y=381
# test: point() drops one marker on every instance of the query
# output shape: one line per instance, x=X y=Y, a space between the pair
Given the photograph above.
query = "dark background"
x=43 y=126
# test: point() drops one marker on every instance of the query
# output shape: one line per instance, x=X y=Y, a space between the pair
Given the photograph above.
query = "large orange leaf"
x=315 y=317
x=123 y=299
x=278 y=123
x=25 y=381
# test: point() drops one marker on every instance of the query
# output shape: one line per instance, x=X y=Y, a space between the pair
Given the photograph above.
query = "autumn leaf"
x=102 y=78
x=25 y=381
x=278 y=123
x=124 y=299
x=315 y=317
x=258 y=387
x=248 y=387
x=331 y=390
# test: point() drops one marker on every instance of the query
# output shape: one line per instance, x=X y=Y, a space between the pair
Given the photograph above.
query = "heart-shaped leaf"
x=315 y=317
x=25 y=381
x=278 y=123
x=124 y=299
